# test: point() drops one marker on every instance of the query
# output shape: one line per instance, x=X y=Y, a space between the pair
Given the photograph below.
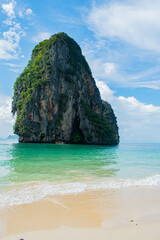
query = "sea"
x=30 y=172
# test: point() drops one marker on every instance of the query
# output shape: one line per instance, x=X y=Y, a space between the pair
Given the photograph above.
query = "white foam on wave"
x=4 y=171
x=39 y=190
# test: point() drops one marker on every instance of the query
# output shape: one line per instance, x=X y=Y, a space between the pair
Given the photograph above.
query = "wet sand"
x=132 y=213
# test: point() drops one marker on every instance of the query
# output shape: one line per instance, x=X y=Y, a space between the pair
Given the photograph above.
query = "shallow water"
x=29 y=172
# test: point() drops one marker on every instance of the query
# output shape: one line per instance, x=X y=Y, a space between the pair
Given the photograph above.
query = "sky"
x=120 y=40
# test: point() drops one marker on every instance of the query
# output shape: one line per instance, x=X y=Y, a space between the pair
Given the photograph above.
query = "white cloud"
x=29 y=11
x=138 y=122
x=25 y=12
x=9 y=42
x=20 y=14
x=7 y=50
x=11 y=64
x=41 y=36
x=102 y=69
x=14 y=33
x=115 y=24
x=95 y=52
x=8 y=8
x=6 y=119
x=90 y=48
x=13 y=67
x=110 y=65
x=109 y=68
x=8 y=21
x=136 y=22
x=106 y=92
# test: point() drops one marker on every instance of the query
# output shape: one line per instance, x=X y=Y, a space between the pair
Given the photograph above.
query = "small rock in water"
x=131 y=220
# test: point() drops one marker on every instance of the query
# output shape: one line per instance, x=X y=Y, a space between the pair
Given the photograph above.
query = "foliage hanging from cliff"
x=101 y=127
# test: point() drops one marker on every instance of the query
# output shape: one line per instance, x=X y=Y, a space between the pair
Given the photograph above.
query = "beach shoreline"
x=131 y=213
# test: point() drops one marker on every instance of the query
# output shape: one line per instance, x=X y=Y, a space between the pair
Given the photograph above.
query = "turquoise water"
x=43 y=169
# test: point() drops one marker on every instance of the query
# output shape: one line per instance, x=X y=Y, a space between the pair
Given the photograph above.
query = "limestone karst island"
x=56 y=98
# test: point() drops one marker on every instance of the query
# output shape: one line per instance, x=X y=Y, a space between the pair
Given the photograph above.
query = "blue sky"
x=120 y=40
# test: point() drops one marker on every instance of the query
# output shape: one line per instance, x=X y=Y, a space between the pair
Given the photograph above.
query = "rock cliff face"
x=56 y=98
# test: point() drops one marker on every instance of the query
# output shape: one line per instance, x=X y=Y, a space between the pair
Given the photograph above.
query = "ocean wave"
x=39 y=190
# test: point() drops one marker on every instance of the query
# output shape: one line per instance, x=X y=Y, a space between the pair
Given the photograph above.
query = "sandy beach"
x=146 y=232
x=132 y=213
